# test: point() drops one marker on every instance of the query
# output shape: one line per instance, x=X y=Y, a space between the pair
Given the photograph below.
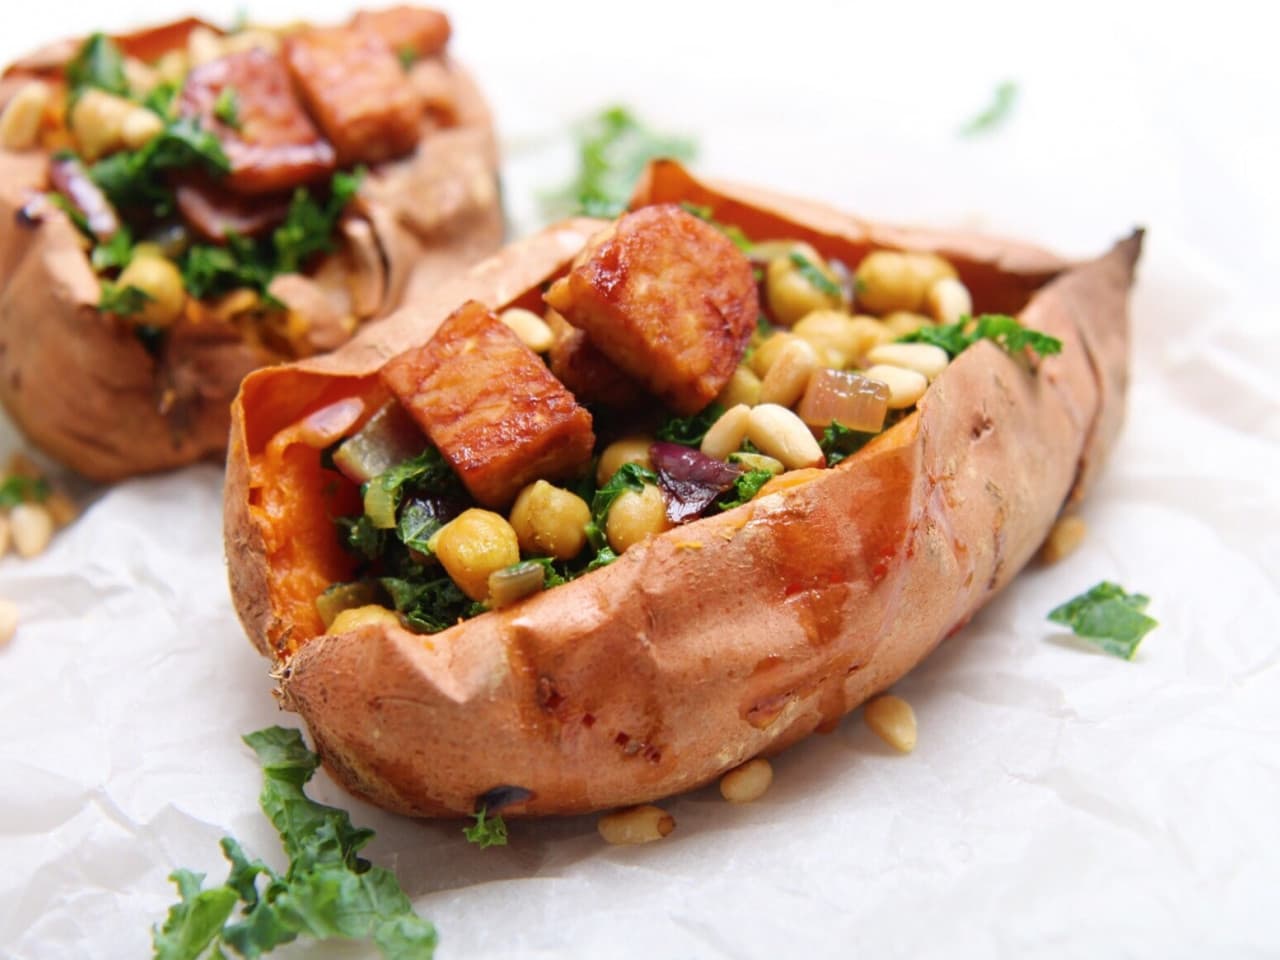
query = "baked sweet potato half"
x=728 y=590
x=181 y=205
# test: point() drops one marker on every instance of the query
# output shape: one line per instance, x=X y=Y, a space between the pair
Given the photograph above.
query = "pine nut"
x=8 y=620
x=948 y=300
x=32 y=528
x=726 y=434
x=642 y=824
x=5 y=534
x=789 y=374
x=20 y=122
x=923 y=358
x=893 y=721
x=779 y=433
x=62 y=508
x=748 y=782
x=906 y=387
x=901 y=322
x=743 y=387
x=530 y=328
x=203 y=45
x=1063 y=539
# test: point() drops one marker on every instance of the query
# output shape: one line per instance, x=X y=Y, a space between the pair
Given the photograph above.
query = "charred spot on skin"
x=549 y=698
x=505 y=795
x=763 y=713
x=588 y=720
x=982 y=425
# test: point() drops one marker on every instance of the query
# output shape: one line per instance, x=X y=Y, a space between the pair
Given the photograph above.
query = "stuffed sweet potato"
x=182 y=205
x=724 y=576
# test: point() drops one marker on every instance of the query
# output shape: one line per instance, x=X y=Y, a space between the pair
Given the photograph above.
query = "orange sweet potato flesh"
x=431 y=212
x=732 y=636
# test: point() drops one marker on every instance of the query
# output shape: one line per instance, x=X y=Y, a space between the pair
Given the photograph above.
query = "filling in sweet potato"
x=215 y=175
x=678 y=369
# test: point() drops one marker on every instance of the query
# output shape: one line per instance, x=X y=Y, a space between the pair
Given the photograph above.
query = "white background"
x=1061 y=803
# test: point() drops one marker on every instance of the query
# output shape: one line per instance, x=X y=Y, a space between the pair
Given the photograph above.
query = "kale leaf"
x=98 y=63
x=1005 y=331
x=1107 y=616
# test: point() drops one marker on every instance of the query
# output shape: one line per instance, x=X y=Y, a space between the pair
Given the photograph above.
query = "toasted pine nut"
x=906 y=387
x=203 y=45
x=923 y=358
x=948 y=300
x=32 y=528
x=140 y=126
x=1063 y=539
x=789 y=374
x=8 y=620
x=5 y=534
x=62 y=508
x=726 y=434
x=642 y=824
x=747 y=782
x=355 y=617
x=20 y=122
x=893 y=720
x=779 y=433
x=530 y=328
x=743 y=387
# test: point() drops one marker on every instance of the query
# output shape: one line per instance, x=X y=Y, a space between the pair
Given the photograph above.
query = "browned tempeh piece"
x=491 y=407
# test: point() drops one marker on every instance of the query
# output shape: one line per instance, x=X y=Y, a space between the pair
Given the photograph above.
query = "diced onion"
x=389 y=437
x=855 y=401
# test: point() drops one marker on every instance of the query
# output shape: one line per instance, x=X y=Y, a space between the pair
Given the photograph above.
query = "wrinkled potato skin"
x=652 y=676
x=80 y=385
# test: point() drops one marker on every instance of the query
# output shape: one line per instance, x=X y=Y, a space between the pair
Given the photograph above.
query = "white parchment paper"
x=1060 y=802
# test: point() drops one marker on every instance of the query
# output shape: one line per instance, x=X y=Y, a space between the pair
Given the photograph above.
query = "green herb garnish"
x=838 y=442
x=16 y=489
x=98 y=63
x=689 y=431
x=995 y=115
x=745 y=488
x=817 y=279
x=159 y=100
x=122 y=301
x=487 y=831
x=135 y=179
x=1107 y=616
x=327 y=892
x=613 y=148
x=227 y=107
x=1006 y=331
x=407 y=56
x=115 y=254
x=429 y=606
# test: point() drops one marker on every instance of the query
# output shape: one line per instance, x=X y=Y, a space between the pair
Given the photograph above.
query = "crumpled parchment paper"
x=1060 y=802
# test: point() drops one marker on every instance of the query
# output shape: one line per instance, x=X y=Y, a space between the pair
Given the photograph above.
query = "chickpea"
x=635 y=516
x=549 y=521
x=159 y=278
x=889 y=280
x=473 y=545
x=833 y=335
x=632 y=449
x=790 y=294
x=97 y=122
x=743 y=387
x=764 y=356
x=901 y=322
x=353 y=618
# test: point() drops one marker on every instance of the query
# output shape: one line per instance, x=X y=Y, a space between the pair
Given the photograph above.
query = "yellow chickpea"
x=743 y=387
x=790 y=294
x=632 y=449
x=833 y=334
x=159 y=278
x=765 y=354
x=549 y=521
x=473 y=545
x=889 y=280
x=636 y=516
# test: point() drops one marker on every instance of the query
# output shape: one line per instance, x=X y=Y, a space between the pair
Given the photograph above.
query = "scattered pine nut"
x=5 y=534
x=1063 y=539
x=893 y=721
x=8 y=620
x=530 y=328
x=32 y=527
x=748 y=782
x=632 y=825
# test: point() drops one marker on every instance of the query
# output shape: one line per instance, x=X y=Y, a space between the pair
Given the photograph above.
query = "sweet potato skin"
x=734 y=635
x=432 y=212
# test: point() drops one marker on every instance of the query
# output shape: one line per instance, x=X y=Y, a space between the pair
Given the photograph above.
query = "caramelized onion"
x=857 y=402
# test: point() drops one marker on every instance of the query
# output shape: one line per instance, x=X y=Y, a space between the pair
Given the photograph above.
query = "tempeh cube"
x=355 y=88
x=666 y=297
x=491 y=407
x=247 y=99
